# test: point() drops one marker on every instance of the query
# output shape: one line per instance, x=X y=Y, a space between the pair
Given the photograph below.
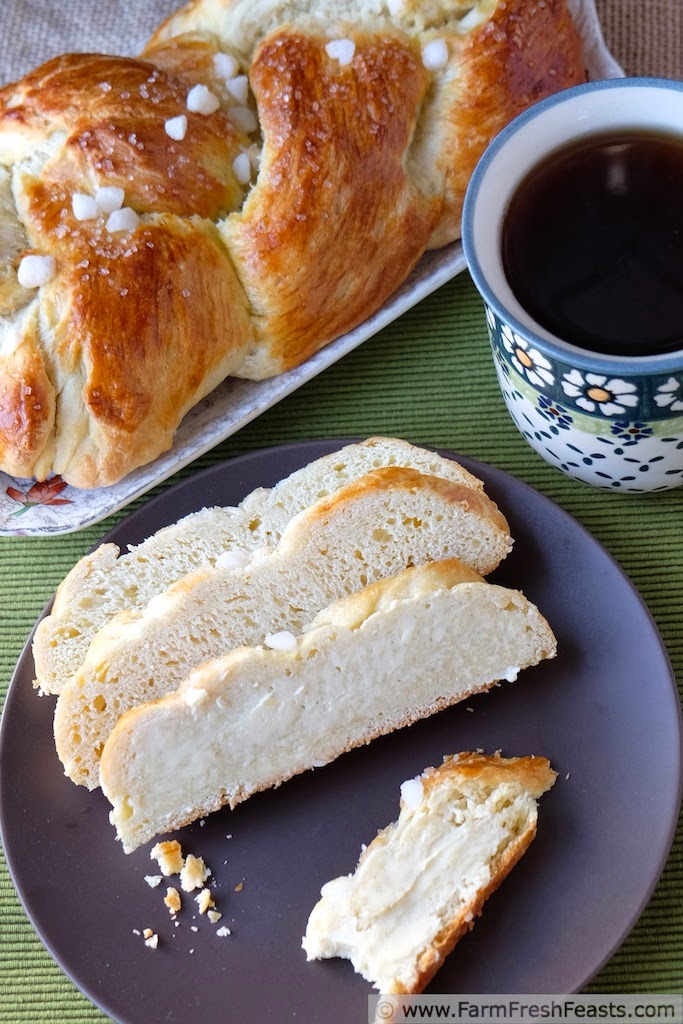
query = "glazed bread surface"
x=266 y=215
x=422 y=881
x=376 y=661
x=99 y=364
x=383 y=522
x=107 y=582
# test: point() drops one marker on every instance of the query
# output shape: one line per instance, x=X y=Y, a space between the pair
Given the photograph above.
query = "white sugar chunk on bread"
x=381 y=523
x=376 y=661
x=105 y=582
x=422 y=881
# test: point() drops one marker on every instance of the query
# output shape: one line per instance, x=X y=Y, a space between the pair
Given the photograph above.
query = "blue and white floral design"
x=555 y=412
x=629 y=433
x=594 y=391
x=528 y=361
x=667 y=395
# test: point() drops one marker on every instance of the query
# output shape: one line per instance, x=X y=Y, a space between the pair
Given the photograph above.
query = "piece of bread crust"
x=534 y=775
x=331 y=929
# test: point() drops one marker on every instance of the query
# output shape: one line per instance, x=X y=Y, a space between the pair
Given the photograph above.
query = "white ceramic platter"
x=27 y=508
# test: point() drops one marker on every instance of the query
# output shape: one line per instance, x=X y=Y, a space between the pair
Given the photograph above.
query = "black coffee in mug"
x=592 y=243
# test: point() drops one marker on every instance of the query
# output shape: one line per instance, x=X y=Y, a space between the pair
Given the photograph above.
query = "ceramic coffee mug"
x=611 y=421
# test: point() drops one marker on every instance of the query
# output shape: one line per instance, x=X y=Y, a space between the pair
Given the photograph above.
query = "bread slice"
x=105 y=582
x=422 y=881
x=389 y=519
x=376 y=661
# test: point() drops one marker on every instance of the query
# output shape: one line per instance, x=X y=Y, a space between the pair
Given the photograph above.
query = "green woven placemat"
x=429 y=378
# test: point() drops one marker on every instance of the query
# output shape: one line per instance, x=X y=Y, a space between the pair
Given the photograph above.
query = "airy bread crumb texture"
x=106 y=582
x=423 y=880
x=366 y=531
x=373 y=662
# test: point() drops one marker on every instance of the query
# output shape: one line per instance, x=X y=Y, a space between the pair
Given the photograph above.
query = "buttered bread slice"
x=376 y=661
x=422 y=881
x=385 y=521
x=105 y=582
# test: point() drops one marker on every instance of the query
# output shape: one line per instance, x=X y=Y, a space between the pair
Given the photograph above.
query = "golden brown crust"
x=320 y=256
x=390 y=477
x=350 y=612
x=113 y=110
x=364 y=166
x=127 y=324
x=27 y=402
x=532 y=774
x=523 y=53
x=138 y=326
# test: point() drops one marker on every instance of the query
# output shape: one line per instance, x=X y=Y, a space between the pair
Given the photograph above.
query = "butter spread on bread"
x=373 y=662
x=422 y=881
x=372 y=528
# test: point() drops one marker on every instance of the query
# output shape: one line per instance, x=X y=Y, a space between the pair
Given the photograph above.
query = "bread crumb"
x=567 y=775
x=152 y=941
x=204 y=901
x=238 y=888
x=169 y=857
x=223 y=931
x=153 y=880
x=148 y=933
x=194 y=873
x=194 y=928
x=214 y=916
x=172 y=900
x=136 y=931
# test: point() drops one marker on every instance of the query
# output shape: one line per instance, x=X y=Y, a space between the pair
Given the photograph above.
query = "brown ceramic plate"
x=606 y=712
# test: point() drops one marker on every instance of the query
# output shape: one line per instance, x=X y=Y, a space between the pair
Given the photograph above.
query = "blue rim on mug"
x=557 y=347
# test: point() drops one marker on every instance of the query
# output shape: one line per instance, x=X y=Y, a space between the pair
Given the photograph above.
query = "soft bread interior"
x=105 y=582
x=256 y=717
x=389 y=519
x=421 y=882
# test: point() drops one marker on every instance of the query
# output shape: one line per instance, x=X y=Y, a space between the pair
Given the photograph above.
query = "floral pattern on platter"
x=42 y=493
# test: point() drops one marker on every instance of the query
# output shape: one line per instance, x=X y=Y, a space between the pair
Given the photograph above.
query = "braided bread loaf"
x=255 y=185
